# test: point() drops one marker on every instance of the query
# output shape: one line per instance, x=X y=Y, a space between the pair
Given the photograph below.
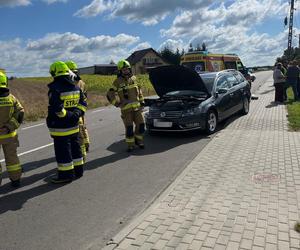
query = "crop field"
x=32 y=92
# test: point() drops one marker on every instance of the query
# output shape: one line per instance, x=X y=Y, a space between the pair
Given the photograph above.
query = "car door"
x=235 y=93
x=223 y=100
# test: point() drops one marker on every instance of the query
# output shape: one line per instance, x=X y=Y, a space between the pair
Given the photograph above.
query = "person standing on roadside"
x=11 y=117
x=292 y=78
x=285 y=86
x=279 y=80
x=126 y=94
x=66 y=106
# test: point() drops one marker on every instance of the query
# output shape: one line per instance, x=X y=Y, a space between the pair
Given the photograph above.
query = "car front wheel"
x=246 y=106
x=211 y=122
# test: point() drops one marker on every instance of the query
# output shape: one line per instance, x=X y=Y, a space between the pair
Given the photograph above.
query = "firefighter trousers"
x=84 y=139
x=68 y=156
x=12 y=161
x=134 y=135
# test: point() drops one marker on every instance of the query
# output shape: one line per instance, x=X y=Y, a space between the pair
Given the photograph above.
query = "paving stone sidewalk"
x=241 y=192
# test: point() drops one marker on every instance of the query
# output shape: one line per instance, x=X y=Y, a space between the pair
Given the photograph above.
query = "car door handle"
x=231 y=94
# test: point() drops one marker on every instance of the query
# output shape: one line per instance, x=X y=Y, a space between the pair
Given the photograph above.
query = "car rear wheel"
x=211 y=122
x=246 y=106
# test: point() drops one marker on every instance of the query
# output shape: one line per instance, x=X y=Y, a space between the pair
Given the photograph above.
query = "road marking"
x=32 y=150
x=38 y=125
x=96 y=111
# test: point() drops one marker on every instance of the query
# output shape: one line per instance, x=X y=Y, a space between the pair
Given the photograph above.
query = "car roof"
x=208 y=74
x=216 y=74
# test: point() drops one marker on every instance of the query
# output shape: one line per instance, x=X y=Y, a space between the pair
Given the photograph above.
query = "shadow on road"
x=159 y=142
x=12 y=200
x=267 y=91
x=31 y=166
x=15 y=201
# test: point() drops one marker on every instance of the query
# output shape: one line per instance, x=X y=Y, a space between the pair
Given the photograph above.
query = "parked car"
x=189 y=101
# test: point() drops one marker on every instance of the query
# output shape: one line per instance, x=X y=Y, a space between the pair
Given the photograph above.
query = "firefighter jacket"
x=11 y=114
x=126 y=94
x=66 y=105
x=81 y=84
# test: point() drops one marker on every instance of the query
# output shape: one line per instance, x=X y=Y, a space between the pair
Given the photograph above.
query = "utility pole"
x=290 y=37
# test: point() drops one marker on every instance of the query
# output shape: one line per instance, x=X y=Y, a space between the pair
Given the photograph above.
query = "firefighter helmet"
x=3 y=80
x=72 y=65
x=59 y=68
x=123 y=64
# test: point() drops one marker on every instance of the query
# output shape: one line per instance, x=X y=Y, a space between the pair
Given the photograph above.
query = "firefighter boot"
x=140 y=144
x=15 y=183
x=78 y=170
x=63 y=177
x=130 y=149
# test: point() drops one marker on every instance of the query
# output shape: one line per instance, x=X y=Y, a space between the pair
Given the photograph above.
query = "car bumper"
x=176 y=125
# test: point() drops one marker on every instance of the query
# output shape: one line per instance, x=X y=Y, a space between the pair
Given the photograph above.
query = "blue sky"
x=37 y=32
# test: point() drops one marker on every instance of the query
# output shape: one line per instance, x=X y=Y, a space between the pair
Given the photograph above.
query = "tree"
x=293 y=54
x=172 y=57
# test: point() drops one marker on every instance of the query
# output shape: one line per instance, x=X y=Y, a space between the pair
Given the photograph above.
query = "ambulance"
x=202 y=61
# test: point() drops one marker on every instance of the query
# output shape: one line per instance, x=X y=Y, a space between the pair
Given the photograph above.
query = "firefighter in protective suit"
x=127 y=95
x=11 y=116
x=66 y=106
x=83 y=132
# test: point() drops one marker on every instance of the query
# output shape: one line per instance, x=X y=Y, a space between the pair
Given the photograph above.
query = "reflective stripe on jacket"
x=11 y=114
x=66 y=105
x=126 y=94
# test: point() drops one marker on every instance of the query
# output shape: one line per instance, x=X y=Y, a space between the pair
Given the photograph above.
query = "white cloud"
x=149 y=12
x=144 y=45
x=254 y=49
x=95 y=8
x=32 y=58
x=231 y=28
x=241 y=13
x=172 y=45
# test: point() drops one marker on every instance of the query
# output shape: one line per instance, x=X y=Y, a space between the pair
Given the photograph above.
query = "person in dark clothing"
x=66 y=105
x=285 y=85
x=292 y=78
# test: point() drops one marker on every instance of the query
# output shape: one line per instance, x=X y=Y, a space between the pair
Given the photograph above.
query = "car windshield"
x=209 y=80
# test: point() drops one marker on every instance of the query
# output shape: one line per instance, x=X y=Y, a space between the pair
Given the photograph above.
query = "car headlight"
x=192 y=111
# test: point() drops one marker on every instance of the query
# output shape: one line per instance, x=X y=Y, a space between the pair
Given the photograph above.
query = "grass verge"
x=293 y=112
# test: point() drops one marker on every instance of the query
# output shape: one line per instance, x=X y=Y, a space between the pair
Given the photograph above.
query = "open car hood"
x=166 y=79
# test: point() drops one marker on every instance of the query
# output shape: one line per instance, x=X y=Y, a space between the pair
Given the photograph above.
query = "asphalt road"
x=116 y=186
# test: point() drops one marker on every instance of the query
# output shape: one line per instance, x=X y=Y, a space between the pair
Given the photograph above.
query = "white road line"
x=32 y=150
x=37 y=125
x=96 y=111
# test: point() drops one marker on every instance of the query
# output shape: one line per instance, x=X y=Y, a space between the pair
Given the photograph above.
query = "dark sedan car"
x=189 y=101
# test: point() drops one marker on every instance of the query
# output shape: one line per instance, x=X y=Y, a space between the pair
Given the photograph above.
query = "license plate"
x=162 y=124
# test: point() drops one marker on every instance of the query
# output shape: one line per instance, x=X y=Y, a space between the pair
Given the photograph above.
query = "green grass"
x=101 y=84
x=96 y=83
x=293 y=112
